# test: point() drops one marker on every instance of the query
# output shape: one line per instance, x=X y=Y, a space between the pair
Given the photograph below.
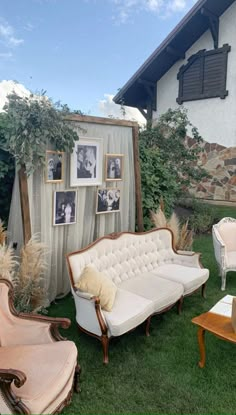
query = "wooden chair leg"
x=77 y=379
x=105 y=344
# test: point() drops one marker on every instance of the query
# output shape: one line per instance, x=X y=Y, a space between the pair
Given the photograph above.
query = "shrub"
x=26 y=273
x=167 y=165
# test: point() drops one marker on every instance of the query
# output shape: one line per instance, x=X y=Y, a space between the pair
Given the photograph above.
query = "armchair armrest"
x=7 y=377
x=219 y=247
x=53 y=322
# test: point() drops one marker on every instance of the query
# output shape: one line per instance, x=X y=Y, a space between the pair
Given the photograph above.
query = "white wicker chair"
x=224 y=240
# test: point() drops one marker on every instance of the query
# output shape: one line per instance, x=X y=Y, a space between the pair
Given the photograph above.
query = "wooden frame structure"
x=24 y=197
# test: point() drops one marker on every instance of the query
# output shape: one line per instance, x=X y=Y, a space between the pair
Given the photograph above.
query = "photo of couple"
x=64 y=207
x=86 y=161
x=114 y=167
x=108 y=200
x=54 y=166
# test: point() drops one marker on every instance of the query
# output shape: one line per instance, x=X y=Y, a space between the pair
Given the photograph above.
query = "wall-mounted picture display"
x=86 y=162
x=54 y=166
x=64 y=207
x=108 y=200
x=114 y=166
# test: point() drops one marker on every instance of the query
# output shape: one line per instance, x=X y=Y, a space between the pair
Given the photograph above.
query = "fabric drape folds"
x=89 y=226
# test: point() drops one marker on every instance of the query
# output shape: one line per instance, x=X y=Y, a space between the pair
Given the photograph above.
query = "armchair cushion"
x=98 y=284
x=49 y=369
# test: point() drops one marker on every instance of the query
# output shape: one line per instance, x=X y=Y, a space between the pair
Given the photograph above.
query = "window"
x=204 y=76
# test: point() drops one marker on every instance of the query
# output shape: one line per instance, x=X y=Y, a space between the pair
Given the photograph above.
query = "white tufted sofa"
x=151 y=277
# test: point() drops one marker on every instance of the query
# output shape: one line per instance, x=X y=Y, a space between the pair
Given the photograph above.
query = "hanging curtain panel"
x=67 y=215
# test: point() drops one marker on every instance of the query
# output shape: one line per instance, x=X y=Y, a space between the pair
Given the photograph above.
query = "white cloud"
x=29 y=27
x=6 y=55
x=7 y=35
x=7 y=87
x=108 y=108
x=124 y=9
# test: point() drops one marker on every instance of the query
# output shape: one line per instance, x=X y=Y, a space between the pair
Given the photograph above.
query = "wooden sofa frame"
x=9 y=376
x=104 y=339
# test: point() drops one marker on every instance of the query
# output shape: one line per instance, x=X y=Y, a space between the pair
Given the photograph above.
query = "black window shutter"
x=204 y=76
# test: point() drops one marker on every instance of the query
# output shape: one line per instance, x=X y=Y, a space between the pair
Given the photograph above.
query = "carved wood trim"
x=100 y=318
x=53 y=322
x=7 y=376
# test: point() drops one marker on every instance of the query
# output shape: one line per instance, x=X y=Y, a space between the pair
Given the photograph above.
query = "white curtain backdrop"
x=89 y=226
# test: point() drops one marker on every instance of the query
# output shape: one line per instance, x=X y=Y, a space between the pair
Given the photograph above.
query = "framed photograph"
x=108 y=200
x=54 y=166
x=86 y=162
x=114 y=166
x=64 y=207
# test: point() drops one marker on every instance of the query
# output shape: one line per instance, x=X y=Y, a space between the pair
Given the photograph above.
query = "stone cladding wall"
x=220 y=162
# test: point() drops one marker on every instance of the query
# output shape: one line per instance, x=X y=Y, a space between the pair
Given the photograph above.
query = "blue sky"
x=79 y=50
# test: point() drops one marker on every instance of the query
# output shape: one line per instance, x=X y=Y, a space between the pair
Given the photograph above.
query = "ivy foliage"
x=168 y=166
x=29 y=124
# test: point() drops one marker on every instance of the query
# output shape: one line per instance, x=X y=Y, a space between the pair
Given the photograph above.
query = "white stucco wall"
x=215 y=118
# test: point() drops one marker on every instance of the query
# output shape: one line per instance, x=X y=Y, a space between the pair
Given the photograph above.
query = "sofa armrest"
x=89 y=315
x=188 y=259
x=13 y=402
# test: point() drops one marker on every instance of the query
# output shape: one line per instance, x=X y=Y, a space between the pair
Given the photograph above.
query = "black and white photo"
x=114 y=167
x=64 y=209
x=86 y=162
x=108 y=200
x=54 y=166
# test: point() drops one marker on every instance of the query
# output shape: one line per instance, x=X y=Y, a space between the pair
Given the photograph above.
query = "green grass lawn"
x=159 y=374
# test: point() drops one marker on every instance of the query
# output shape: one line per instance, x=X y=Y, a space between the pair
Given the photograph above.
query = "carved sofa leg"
x=204 y=290
x=77 y=379
x=147 y=328
x=105 y=344
x=180 y=304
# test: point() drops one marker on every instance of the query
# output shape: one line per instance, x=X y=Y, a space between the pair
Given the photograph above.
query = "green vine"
x=29 y=125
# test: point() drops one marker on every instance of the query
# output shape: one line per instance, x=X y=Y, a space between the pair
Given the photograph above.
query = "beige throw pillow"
x=98 y=284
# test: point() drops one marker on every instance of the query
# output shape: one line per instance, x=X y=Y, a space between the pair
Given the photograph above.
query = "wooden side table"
x=219 y=325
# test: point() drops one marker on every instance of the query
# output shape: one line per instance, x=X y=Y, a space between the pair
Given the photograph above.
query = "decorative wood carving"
x=54 y=322
x=7 y=376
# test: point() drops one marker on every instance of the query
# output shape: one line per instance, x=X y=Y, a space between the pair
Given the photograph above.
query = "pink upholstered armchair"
x=37 y=369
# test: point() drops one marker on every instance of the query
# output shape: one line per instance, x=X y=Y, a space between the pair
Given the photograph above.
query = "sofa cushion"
x=162 y=292
x=129 y=310
x=98 y=284
x=191 y=278
x=49 y=369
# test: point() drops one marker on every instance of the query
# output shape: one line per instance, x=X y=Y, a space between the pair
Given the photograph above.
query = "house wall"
x=215 y=118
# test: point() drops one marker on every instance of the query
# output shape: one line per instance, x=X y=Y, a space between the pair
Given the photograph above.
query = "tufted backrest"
x=126 y=256
x=227 y=230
